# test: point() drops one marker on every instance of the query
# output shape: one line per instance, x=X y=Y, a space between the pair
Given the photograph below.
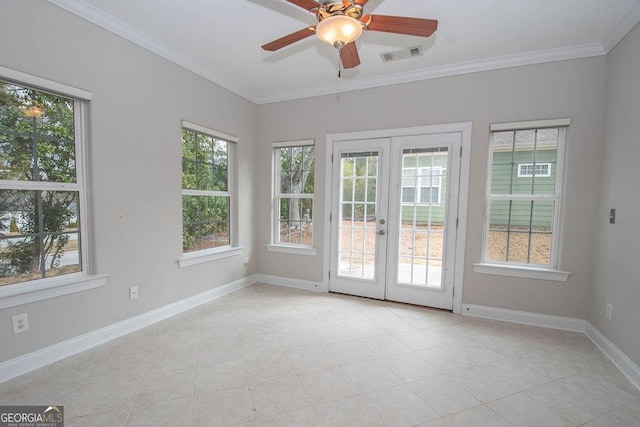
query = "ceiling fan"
x=341 y=22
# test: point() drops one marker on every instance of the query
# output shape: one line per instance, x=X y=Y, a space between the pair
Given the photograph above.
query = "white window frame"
x=533 y=166
x=232 y=249
x=42 y=289
x=425 y=179
x=276 y=245
x=513 y=269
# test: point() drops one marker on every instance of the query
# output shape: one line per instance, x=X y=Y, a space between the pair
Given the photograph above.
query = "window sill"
x=38 y=290
x=521 y=271
x=207 y=255
x=292 y=249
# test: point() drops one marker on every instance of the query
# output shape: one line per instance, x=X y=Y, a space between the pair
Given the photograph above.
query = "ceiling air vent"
x=401 y=54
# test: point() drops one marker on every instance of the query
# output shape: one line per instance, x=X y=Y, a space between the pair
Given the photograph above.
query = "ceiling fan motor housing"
x=333 y=8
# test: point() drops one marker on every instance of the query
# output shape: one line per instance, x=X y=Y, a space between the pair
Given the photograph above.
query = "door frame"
x=465 y=129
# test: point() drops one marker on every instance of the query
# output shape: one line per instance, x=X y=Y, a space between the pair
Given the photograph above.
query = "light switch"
x=612 y=216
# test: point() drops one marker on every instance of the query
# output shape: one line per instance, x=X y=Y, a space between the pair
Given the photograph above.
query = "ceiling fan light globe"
x=339 y=30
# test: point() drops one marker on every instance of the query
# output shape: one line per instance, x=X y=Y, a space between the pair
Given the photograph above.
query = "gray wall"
x=138 y=102
x=140 y=98
x=618 y=245
x=572 y=89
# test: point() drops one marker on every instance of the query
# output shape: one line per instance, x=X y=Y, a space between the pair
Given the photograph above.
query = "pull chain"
x=339 y=65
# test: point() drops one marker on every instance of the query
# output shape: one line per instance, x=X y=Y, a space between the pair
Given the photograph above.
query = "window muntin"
x=293 y=193
x=521 y=224
x=41 y=186
x=206 y=194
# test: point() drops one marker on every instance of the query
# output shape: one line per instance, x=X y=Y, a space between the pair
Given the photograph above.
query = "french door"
x=393 y=218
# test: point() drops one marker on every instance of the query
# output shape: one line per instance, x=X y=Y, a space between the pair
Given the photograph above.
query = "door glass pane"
x=422 y=217
x=358 y=195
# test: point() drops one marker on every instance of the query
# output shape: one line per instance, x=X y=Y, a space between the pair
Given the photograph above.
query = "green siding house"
x=519 y=171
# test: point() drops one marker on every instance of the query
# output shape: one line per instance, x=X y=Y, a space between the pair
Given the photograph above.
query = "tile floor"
x=273 y=356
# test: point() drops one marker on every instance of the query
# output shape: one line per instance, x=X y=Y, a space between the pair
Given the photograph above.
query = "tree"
x=38 y=147
x=297 y=170
x=205 y=168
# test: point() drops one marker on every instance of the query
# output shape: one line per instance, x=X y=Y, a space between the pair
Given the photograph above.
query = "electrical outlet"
x=20 y=323
x=133 y=292
x=609 y=311
x=246 y=260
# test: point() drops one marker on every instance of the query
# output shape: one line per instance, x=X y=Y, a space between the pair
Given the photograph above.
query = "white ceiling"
x=220 y=40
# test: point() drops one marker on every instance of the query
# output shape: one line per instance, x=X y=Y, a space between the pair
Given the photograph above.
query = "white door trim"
x=465 y=162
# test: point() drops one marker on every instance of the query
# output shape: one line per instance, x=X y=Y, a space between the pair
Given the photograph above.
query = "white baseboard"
x=39 y=358
x=613 y=353
x=621 y=360
x=307 y=285
x=526 y=318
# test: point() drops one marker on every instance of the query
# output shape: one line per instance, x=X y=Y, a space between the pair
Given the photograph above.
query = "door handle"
x=382 y=232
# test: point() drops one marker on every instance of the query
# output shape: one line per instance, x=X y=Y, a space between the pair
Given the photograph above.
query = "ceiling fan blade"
x=306 y=4
x=349 y=55
x=360 y=3
x=289 y=39
x=400 y=25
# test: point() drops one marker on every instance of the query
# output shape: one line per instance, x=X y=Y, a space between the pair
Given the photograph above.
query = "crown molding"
x=108 y=22
x=496 y=63
x=114 y=25
x=625 y=25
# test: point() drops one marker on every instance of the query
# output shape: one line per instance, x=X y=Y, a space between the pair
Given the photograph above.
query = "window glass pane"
x=371 y=189
x=56 y=161
x=16 y=157
x=524 y=162
x=361 y=188
x=37 y=136
x=347 y=212
x=220 y=172
x=222 y=221
x=429 y=194
x=347 y=190
x=525 y=144
x=520 y=231
x=296 y=165
x=498 y=226
x=42 y=235
x=502 y=169
x=285 y=182
x=205 y=167
x=545 y=179
x=188 y=160
x=370 y=213
x=204 y=177
x=296 y=224
x=372 y=166
x=205 y=222
x=39 y=230
x=408 y=177
x=541 y=248
x=408 y=194
x=204 y=163
x=347 y=167
x=362 y=166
